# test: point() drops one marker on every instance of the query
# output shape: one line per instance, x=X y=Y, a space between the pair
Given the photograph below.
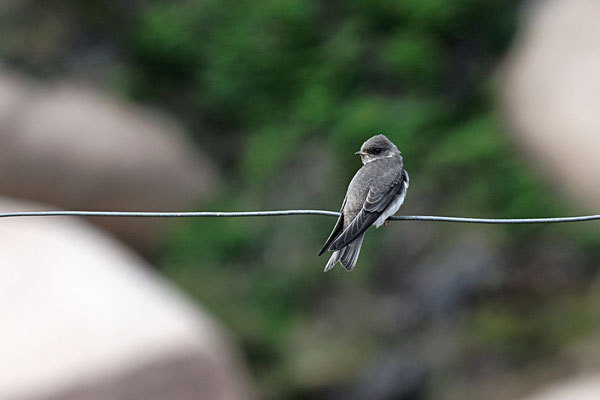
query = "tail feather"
x=347 y=256
x=335 y=257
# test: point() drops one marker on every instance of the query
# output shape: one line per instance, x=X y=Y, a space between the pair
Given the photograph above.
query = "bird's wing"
x=378 y=199
x=337 y=229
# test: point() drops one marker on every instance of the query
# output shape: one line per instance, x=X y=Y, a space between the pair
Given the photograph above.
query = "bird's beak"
x=360 y=153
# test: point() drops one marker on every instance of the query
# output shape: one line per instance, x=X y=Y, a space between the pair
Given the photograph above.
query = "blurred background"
x=226 y=105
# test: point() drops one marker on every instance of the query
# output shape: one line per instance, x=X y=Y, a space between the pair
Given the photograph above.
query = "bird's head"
x=377 y=147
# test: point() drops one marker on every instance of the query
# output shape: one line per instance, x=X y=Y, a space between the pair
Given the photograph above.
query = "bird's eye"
x=376 y=150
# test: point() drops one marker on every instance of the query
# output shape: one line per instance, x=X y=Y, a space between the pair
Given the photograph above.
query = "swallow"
x=375 y=193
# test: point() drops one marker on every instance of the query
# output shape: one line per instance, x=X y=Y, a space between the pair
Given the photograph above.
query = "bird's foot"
x=385 y=222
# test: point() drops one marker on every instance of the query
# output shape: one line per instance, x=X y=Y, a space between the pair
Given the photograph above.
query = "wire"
x=496 y=220
x=148 y=214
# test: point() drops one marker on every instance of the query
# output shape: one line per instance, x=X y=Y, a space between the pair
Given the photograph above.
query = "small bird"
x=376 y=192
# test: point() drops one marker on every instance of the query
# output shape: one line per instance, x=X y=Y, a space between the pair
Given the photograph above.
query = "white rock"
x=79 y=312
x=551 y=93
x=77 y=148
x=586 y=387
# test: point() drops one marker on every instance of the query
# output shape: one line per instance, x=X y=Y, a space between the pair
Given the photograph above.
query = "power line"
x=150 y=214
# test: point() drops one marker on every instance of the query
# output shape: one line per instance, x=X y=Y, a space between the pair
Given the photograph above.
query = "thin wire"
x=146 y=214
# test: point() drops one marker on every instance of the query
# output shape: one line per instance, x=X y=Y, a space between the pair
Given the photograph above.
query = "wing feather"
x=337 y=229
x=377 y=201
x=383 y=191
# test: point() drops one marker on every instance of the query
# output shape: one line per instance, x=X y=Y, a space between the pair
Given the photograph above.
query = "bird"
x=376 y=192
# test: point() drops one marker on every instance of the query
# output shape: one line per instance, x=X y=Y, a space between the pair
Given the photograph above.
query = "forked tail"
x=347 y=256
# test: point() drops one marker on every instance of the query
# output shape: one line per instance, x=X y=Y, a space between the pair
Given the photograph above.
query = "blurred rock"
x=85 y=318
x=443 y=281
x=391 y=376
x=551 y=93
x=79 y=149
x=580 y=388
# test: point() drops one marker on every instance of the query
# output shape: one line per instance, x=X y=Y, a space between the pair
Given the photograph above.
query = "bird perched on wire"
x=375 y=193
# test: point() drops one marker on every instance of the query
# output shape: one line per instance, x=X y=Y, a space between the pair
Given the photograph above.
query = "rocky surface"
x=584 y=387
x=551 y=93
x=77 y=148
x=85 y=318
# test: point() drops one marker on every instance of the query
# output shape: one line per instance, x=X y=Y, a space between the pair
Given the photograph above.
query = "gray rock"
x=445 y=279
x=79 y=149
x=391 y=376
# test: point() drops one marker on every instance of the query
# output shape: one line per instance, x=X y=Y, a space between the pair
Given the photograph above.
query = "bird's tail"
x=347 y=256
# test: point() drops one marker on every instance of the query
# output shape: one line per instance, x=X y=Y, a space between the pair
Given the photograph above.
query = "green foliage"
x=414 y=58
x=282 y=75
x=280 y=93
x=266 y=150
x=526 y=329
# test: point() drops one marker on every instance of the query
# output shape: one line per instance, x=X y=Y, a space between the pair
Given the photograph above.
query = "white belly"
x=393 y=207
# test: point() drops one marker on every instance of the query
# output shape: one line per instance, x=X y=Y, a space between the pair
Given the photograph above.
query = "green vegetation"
x=280 y=94
x=301 y=81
